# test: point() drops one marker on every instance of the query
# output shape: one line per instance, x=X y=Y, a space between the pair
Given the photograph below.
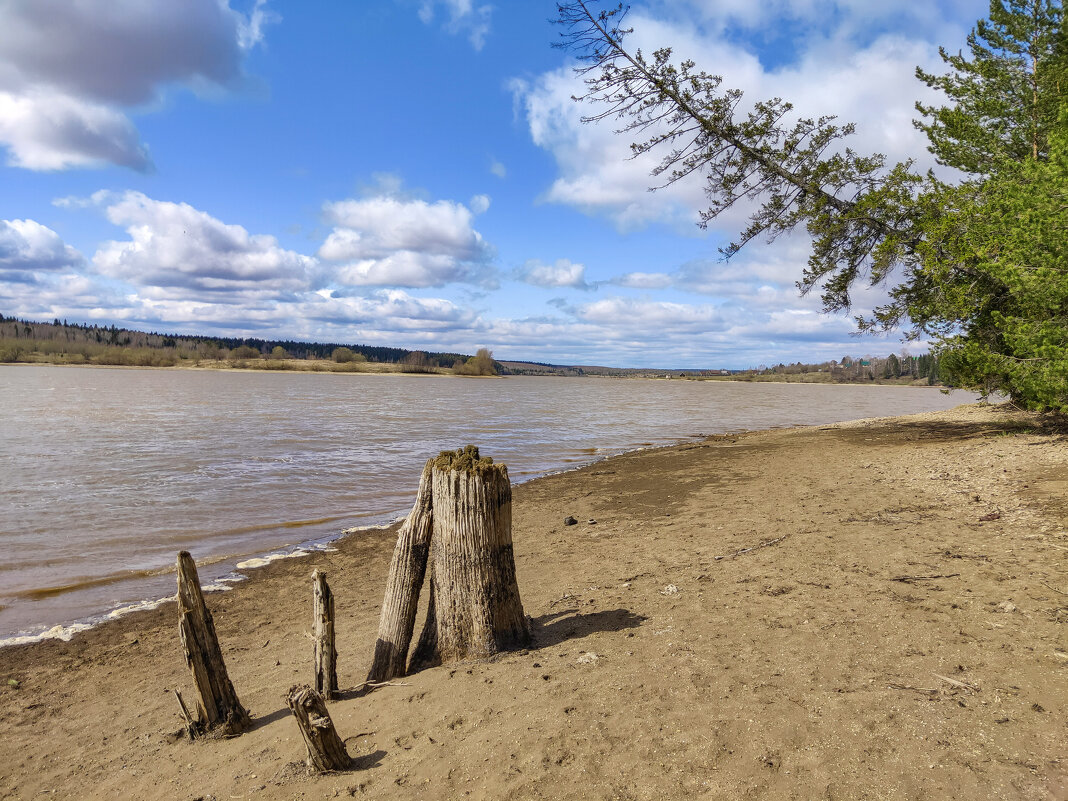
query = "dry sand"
x=888 y=623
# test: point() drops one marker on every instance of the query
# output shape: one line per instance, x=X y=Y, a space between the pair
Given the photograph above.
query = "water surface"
x=105 y=474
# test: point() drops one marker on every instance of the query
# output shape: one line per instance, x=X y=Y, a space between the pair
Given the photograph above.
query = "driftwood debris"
x=218 y=707
x=406 y=572
x=474 y=609
x=325 y=650
x=914 y=579
x=740 y=551
x=191 y=727
x=461 y=529
x=326 y=751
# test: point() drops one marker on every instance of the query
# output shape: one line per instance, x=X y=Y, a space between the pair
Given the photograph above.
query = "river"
x=105 y=474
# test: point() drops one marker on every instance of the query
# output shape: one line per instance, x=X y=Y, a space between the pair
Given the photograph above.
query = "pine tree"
x=1004 y=100
x=869 y=220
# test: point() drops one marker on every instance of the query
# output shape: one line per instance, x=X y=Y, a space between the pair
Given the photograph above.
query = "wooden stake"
x=191 y=727
x=326 y=751
x=474 y=605
x=218 y=706
x=406 y=573
x=325 y=652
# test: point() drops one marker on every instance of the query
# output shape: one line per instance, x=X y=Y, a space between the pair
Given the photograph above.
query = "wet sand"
x=865 y=610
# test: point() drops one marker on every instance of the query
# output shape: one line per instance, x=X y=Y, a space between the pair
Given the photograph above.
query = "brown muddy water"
x=105 y=474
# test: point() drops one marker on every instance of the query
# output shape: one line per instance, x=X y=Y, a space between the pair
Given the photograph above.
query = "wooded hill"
x=60 y=342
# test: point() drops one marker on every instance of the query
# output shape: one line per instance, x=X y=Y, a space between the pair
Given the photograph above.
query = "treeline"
x=62 y=342
x=866 y=369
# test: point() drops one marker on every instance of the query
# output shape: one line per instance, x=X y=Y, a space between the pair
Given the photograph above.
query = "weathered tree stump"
x=406 y=572
x=218 y=707
x=474 y=606
x=325 y=652
x=326 y=751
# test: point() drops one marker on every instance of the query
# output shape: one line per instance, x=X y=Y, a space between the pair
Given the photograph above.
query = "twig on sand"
x=765 y=544
x=963 y=685
x=376 y=684
x=1044 y=584
x=911 y=579
x=927 y=690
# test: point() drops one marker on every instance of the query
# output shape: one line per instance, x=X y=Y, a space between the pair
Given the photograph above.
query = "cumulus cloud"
x=27 y=246
x=561 y=273
x=173 y=246
x=648 y=315
x=69 y=71
x=643 y=280
x=386 y=240
x=461 y=16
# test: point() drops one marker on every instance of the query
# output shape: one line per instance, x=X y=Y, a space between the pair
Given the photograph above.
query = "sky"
x=415 y=173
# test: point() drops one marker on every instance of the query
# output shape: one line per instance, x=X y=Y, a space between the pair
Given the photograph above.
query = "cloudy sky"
x=414 y=173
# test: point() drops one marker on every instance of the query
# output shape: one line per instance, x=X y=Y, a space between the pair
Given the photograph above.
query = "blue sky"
x=414 y=173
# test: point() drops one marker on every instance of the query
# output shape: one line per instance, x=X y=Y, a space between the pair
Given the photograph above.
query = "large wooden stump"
x=325 y=651
x=474 y=605
x=218 y=707
x=326 y=751
x=406 y=572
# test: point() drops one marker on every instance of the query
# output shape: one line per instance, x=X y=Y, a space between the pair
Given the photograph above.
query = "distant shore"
x=806 y=612
x=323 y=367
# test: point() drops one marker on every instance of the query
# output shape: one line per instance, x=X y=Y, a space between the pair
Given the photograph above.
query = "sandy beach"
x=868 y=610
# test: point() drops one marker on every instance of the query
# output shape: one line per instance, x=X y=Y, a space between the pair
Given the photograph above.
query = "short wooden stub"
x=406 y=573
x=474 y=605
x=218 y=707
x=326 y=751
x=325 y=652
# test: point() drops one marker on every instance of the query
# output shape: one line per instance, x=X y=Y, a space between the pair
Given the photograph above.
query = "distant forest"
x=60 y=342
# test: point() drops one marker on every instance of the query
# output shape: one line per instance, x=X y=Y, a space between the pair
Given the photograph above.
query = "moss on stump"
x=467 y=460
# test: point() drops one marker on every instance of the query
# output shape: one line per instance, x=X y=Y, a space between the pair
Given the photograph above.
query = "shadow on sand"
x=570 y=624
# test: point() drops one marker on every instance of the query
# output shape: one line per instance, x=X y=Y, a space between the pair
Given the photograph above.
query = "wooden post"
x=474 y=605
x=325 y=652
x=406 y=572
x=218 y=706
x=326 y=751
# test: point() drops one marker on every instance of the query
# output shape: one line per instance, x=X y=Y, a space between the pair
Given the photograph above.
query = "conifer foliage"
x=979 y=264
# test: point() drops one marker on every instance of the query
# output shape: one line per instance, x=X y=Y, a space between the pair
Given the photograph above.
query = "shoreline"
x=392 y=369
x=237 y=572
x=912 y=549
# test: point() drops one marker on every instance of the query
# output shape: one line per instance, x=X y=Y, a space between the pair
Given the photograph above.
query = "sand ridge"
x=864 y=610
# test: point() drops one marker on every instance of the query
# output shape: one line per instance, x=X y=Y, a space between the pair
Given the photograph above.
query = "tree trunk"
x=217 y=704
x=474 y=609
x=325 y=652
x=406 y=573
x=326 y=751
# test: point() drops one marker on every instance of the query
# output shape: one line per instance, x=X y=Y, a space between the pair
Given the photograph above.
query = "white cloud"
x=646 y=315
x=28 y=246
x=643 y=280
x=462 y=16
x=386 y=240
x=52 y=131
x=498 y=169
x=69 y=71
x=173 y=246
x=561 y=273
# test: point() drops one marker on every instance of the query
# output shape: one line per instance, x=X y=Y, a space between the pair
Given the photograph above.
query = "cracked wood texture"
x=326 y=750
x=406 y=573
x=218 y=707
x=325 y=650
x=474 y=606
